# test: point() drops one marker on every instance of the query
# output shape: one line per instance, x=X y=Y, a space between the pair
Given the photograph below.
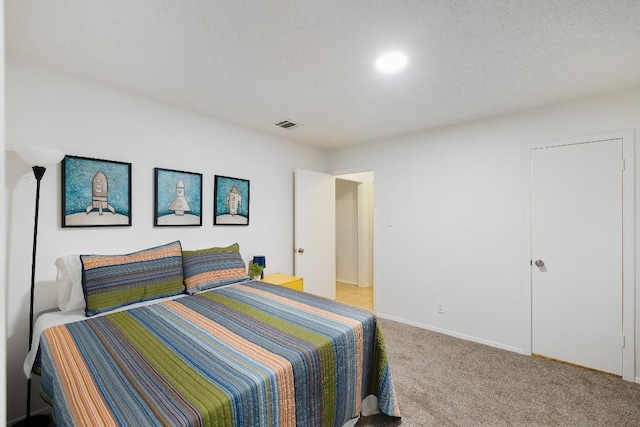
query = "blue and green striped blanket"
x=250 y=354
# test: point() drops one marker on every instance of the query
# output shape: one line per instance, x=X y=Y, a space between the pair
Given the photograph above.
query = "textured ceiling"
x=254 y=63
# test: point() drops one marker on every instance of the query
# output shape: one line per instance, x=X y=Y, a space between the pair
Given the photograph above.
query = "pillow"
x=213 y=267
x=231 y=248
x=70 y=295
x=112 y=281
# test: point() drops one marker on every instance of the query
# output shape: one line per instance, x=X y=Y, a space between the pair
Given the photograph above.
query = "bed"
x=243 y=354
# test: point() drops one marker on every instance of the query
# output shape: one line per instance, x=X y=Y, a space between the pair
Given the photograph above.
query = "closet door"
x=576 y=248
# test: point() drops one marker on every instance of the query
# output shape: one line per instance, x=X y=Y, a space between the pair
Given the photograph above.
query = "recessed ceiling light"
x=391 y=62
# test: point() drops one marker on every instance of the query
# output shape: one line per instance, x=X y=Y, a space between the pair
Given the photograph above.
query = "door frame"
x=358 y=238
x=628 y=242
x=374 y=241
x=364 y=270
x=365 y=232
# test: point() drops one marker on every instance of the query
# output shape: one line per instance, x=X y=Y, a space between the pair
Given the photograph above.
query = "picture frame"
x=177 y=198
x=95 y=192
x=230 y=201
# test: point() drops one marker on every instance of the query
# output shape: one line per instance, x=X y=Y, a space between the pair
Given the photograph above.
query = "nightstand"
x=286 y=280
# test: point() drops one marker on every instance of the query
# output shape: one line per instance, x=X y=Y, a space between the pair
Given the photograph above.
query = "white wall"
x=454 y=199
x=56 y=110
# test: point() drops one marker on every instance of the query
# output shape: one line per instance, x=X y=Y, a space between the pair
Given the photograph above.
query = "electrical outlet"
x=441 y=307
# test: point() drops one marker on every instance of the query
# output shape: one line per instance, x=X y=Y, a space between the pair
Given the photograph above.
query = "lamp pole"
x=39 y=158
x=39 y=420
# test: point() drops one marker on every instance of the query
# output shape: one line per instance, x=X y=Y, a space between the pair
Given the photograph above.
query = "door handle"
x=301 y=251
x=539 y=263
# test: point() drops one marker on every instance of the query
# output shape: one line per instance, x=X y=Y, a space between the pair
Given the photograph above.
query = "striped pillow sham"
x=213 y=267
x=113 y=281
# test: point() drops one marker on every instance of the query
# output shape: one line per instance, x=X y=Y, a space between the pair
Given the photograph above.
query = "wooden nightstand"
x=286 y=280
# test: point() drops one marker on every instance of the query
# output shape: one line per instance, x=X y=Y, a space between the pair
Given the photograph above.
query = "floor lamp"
x=39 y=158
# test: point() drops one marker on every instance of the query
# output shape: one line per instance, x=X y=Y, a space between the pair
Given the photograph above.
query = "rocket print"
x=99 y=194
x=234 y=200
x=179 y=205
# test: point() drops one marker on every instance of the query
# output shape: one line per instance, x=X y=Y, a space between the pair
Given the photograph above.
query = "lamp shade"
x=40 y=156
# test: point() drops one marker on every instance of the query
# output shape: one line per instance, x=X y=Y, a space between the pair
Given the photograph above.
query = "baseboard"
x=454 y=334
x=348 y=282
x=638 y=380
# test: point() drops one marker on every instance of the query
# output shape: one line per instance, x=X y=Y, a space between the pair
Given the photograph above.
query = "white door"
x=576 y=240
x=315 y=232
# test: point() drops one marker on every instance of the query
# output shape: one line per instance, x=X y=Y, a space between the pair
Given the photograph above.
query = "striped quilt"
x=251 y=354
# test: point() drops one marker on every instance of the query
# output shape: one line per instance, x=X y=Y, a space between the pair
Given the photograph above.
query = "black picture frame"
x=230 y=200
x=177 y=198
x=95 y=193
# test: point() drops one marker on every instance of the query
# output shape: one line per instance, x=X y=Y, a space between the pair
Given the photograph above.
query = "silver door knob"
x=301 y=251
x=539 y=263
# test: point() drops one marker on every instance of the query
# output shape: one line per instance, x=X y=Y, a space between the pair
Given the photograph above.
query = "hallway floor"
x=354 y=295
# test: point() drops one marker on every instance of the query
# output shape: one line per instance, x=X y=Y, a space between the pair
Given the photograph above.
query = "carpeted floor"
x=445 y=381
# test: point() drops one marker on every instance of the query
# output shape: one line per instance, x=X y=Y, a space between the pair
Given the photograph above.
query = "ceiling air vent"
x=287 y=124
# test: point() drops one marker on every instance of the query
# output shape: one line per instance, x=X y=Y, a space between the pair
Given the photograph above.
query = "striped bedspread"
x=251 y=354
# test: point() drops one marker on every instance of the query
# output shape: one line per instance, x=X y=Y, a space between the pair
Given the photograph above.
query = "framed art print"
x=178 y=198
x=230 y=201
x=95 y=192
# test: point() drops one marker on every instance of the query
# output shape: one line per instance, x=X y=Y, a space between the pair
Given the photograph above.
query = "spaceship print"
x=95 y=193
x=178 y=198
x=231 y=201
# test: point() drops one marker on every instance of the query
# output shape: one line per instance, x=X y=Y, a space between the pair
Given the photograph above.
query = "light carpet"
x=445 y=381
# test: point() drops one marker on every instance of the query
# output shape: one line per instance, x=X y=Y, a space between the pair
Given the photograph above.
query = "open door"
x=314 y=232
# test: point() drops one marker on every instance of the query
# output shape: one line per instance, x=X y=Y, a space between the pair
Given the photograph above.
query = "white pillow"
x=70 y=294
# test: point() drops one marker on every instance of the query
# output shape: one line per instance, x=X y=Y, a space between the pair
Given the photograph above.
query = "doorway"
x=579 y=213
x=354 y=239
